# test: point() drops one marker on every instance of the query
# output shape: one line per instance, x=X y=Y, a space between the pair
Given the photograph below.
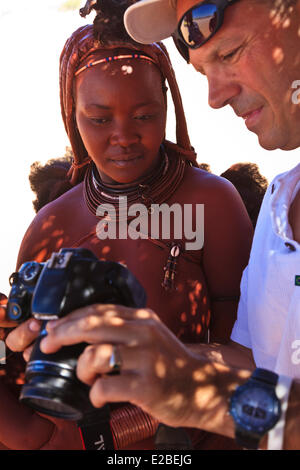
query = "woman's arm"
x=21 y=427
x=227 y=244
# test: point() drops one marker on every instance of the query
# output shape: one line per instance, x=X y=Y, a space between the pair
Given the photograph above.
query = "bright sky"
x=32 y=34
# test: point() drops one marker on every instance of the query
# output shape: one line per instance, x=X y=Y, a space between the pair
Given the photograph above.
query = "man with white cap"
x=249 y=51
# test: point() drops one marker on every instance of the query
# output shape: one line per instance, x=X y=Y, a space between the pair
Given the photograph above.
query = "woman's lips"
x=126 y=160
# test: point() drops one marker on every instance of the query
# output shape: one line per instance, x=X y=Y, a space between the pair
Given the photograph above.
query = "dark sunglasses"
x=199 y=24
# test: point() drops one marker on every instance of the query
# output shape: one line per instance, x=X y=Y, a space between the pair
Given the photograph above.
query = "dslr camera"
x=70 y=279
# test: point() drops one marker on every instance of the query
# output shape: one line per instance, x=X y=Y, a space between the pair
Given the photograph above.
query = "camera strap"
x=95 y=429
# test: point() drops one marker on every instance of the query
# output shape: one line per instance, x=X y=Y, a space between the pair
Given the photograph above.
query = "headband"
x=76 y=55
x=112 y=58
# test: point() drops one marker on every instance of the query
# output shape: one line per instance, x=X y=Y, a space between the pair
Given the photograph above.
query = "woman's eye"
x=100 y=120
x=144 y=117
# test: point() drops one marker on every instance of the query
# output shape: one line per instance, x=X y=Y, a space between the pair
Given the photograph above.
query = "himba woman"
x=113 y=100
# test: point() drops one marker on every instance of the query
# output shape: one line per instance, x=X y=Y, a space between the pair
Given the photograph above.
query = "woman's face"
x=121 y=117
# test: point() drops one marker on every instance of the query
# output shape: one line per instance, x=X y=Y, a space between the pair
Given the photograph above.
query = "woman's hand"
x=157 y=370
x=23 y=335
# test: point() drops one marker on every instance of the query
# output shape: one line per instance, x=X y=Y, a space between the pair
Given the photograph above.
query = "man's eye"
x=230 y=55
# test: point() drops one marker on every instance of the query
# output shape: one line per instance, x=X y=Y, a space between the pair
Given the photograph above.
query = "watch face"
x=255 y=408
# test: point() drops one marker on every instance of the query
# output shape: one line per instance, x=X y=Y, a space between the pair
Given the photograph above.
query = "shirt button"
x=273 y=188
x=290 y=246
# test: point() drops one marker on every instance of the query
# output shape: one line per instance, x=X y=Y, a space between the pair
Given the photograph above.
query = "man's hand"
x=157 y=371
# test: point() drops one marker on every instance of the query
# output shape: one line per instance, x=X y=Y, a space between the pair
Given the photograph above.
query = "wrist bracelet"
x=276 y=435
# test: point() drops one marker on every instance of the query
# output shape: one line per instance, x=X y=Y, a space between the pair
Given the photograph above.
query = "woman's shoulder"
x=60 y=210
x=206 y=185
x=51 y=226
x=220 y=198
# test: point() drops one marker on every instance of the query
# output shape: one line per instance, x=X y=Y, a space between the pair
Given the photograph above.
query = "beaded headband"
x=112 y=58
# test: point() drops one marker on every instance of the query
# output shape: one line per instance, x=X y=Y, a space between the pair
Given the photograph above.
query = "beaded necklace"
x=155 y=188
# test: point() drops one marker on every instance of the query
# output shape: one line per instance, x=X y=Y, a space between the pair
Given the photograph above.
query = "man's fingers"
x=27 y=353
x=95 y=360
x=22 y=336
x=104 y=311
x=116 y=388
x=90 y=329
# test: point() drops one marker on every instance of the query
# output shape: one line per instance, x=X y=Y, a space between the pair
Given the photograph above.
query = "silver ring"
x=115 y=361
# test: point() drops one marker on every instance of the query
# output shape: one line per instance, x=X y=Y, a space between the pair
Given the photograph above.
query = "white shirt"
x=268 y=318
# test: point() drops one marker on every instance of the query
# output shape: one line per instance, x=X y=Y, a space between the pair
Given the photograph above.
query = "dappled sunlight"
x=213 y=392
x=142 y=314
x=189 y=391
x=199 y=375
x=281 y=12
x=194 y=296
x=91 y=322
x=160 y=369
x=41 y=256
x=176 y=401
x=183 y=317
x=278 y=55
x=282 y=16
x=185 y=310
x=180 y=363
x=286 y=23
x=106 y=350
x=58 y=233
x=117 y=321
x=106 y=250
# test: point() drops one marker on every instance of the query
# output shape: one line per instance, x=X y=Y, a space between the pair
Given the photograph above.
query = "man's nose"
x=124 y=133
x=221 y=90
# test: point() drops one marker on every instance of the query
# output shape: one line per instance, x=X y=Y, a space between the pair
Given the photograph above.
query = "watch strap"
x=266 y=376
x=246 y=440
x=276 y=434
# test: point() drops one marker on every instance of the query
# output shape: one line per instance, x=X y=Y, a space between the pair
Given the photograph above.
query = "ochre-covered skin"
x=214 y=272
x=203 y=277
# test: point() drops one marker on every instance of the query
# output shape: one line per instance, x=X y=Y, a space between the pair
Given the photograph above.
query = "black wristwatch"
x=255 y=408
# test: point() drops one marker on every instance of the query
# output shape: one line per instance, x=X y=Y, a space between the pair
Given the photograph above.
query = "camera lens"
x=51 y=384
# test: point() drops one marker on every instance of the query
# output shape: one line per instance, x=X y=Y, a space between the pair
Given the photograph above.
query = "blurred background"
x=32 y=34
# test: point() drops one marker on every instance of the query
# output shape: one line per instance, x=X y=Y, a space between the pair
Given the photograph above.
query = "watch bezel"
x=238 y=418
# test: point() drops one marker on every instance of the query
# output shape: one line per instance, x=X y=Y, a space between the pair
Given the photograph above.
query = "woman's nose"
x=124 y=134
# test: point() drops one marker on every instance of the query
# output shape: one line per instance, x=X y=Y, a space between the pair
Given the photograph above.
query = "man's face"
x=251 y=64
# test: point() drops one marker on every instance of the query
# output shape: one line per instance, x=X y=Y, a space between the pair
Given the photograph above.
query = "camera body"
x=70 y=279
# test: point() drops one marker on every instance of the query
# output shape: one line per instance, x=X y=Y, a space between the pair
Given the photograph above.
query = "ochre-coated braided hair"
x=109 y=34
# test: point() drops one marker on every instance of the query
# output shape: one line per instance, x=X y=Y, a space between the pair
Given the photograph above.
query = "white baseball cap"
x=149 y=21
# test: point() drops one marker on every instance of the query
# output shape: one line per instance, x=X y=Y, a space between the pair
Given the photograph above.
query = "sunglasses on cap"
x=199 y=24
